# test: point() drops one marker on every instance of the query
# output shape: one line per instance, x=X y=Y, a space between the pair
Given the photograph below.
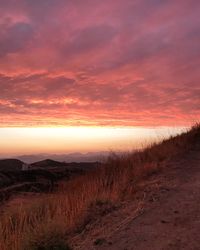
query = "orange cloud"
x=123 y=63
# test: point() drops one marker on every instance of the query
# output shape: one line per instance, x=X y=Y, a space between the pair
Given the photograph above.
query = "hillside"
x=39 y=177
x=164 y=215
x=48 y=163
x=145 y=200
x=71 y=157
x=10 y=164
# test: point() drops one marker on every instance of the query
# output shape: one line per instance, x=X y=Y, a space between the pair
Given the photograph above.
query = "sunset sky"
x=106 y=63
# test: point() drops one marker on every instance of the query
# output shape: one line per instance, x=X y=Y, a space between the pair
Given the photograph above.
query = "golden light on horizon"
x=37 y=140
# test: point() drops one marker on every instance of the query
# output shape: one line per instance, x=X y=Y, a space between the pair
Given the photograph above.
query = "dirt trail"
x=167 y=219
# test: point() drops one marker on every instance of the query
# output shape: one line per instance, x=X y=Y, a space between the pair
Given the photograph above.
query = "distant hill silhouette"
x=71 y=157
x=10 y=164
x=17 y=176
x=48 y=163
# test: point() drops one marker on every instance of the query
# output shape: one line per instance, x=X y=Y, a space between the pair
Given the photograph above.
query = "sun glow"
x=36 y=140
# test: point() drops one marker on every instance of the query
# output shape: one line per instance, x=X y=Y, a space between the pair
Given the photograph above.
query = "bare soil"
x=165 y=215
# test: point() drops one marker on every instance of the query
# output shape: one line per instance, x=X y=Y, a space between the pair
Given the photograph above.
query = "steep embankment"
x=165 y=215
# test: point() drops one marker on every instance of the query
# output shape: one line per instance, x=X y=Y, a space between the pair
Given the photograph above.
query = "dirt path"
x=167 y=219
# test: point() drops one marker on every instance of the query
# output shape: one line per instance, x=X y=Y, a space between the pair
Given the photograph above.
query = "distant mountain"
x=47 y=164
x=72 y=157
x=52 y=165
x=10 y=164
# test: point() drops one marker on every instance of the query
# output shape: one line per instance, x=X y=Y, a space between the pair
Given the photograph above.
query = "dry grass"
x=44 y=223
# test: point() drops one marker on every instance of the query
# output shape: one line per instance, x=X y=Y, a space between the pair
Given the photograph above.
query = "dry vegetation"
x=45 y=223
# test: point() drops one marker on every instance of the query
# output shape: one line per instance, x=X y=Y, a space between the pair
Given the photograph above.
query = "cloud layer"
x=125 y=63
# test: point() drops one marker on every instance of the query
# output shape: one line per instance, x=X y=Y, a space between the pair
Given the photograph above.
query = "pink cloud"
x=99 y=62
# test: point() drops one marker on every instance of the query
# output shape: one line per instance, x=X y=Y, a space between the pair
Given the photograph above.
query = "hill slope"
x=10 y=165
x=167 y=215
x=143 y=200
x=48 y=163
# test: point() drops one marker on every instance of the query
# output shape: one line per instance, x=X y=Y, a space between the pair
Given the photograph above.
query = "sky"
x=64 y=140
x=122 y=63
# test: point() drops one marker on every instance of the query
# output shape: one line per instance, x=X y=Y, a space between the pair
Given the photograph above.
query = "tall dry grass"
x=44 y=223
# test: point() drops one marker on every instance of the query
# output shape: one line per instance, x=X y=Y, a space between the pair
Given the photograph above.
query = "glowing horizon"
x=49 y=140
